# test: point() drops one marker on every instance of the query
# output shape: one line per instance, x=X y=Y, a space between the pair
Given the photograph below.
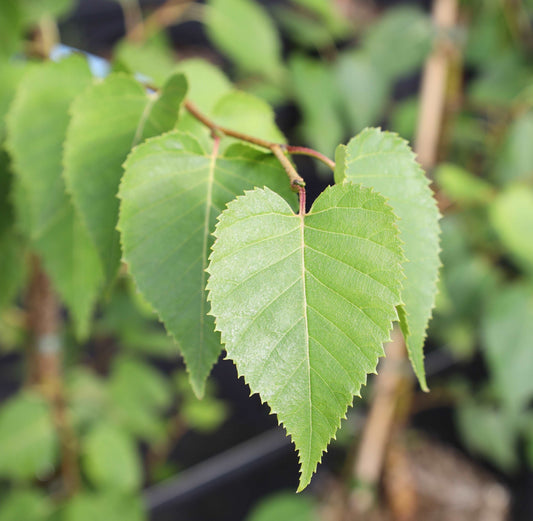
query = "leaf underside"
x=384 y=162
x=305 y=304
x=171 y=195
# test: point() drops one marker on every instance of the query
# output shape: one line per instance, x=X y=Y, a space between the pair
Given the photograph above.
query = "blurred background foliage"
x=329 y=69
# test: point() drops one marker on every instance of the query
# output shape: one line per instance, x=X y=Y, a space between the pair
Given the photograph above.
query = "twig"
x=270 y=145
x=163 y=16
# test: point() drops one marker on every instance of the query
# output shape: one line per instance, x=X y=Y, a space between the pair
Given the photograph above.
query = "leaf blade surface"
x=304 y=304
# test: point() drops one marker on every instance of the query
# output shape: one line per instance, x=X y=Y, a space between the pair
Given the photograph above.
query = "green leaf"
x=507 y=333
x=284 y=506
x=207 y=83
x=12 y=266
x=316 y=93
x=171 y=194
x=384 y=162
x=26 y=505
x=304 y=304
x=511 y=214
x=139 y=394
x=10 y=28
x=27 y=437
x=461 y=186
x=111 y=460
x=105 y=506
x=364 y=90
x=515 y=161
x=152 y=58
x=37 y=125
x=399 y=41
x=488 y=432
x=248 y=114
x=243 y=30
x=107 y=120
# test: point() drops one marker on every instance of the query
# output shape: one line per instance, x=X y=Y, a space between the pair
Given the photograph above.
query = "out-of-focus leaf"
x=204 y=415
x=461 y=186
x=207 y=83
x=284 y=506
x=139 y=394
x=316 y=93
x=37 y=124
x=500 y=83
x=27 y=437
x=364 y=90
x=399 y=41
x=34 y=10
x=515 y=161
x=489 y=433
x=488 y=34
x=25 y=505
x=87 y=396
x=111 y=459
x=507 y=333
x=12 y=265
x=511 y=215
x=11 y=25
x=244 y=112
x=404 y=117
x=104 y=506
x=108 y=119
x=244 y=31
x=152 y=58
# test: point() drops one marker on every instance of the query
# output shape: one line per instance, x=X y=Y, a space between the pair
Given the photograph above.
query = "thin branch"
x=294 y=176
x=304 y=151
x=278 y=149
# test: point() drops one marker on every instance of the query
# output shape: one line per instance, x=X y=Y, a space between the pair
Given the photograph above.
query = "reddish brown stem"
x=296 y=150
x=278 y=149
x=301 y=193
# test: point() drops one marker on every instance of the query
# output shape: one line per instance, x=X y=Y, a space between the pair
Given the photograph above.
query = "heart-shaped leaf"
x=172 y=192
x=304 y=303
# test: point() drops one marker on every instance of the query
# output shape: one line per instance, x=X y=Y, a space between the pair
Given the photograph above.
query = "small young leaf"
x=304 y=304
x=385 y=162
x=107 y=120
x=171 y=194
x=37 y=125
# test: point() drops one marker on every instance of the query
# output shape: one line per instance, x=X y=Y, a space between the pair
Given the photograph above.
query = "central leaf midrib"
x=208 y=205
x=306 y=324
